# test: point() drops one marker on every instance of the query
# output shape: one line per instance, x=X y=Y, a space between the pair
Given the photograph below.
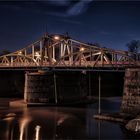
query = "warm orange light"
x=20 y=52
x=56 y=37
x=82 y=49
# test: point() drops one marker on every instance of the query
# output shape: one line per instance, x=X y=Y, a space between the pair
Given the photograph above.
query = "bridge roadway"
x=37 y=68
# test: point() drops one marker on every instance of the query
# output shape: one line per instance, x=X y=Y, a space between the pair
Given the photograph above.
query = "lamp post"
x=55 y=88
x=99 y=106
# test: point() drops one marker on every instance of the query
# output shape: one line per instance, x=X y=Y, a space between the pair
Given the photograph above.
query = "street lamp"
x=56 y=37
x=99 y=103
x=82 y=49
x=20 y=52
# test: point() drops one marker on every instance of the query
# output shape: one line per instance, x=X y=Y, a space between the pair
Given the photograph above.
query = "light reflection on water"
x=38 y=123
x=37 y=132
x=23 y=124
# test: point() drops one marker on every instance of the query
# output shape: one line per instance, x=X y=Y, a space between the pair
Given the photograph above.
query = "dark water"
x=62 y=123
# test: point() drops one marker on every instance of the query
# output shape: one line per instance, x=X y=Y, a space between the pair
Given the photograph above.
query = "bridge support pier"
x=131 y=95
x=52 y=87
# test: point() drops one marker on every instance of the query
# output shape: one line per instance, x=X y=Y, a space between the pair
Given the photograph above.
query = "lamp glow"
x=20 y=52
x=82 y=49
x=56 y=37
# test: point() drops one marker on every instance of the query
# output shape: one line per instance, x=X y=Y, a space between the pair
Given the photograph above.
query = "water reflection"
x=60 y=123
x=37 y=132
x=8 y=126
x=23 y=125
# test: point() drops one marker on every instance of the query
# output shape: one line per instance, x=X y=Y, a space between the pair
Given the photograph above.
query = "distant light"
x=82 y=49
x=56 y=37
x=20 y=52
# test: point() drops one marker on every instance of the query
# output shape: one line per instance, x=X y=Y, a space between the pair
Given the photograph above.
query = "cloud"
x=74 y=9
x=53 y=7
x=79 y=8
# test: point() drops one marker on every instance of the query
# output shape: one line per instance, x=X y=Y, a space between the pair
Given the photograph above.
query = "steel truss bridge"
x=63 y=51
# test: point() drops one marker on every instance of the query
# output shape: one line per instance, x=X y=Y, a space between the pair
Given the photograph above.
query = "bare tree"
x=134 y=47
x=4 y=52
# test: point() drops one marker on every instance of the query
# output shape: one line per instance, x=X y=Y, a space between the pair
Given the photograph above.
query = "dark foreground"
x=62 y=122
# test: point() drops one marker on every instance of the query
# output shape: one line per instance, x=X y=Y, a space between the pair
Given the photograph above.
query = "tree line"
x=134 y=47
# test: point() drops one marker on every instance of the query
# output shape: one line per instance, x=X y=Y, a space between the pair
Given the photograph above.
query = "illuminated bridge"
x=63 y=51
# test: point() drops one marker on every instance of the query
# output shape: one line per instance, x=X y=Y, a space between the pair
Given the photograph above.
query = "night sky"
x=112 y=24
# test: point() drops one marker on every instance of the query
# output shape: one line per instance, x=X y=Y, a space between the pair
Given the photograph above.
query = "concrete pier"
x=130 y=108
x=131 y=95
x=52 y=87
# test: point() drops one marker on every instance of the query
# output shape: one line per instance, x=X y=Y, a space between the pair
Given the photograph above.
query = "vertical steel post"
x=33 y=51
x=99 y=130
x=112 y=58
x=89 y=78
x=102 y=61
x=61 y=50
x=12 y=61
x=25 y=87
x=45 y=52
x=71 y=56
x=68 y=50
x=53 y=48
x=99 y=106
x=41 y=52
x=49 y=51
x=64 y=49
x=90 y=57
x=116 y=59
x=55 y=88
x=41 y=47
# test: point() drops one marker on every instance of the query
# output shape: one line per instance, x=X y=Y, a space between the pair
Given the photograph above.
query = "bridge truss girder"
x=66 y=52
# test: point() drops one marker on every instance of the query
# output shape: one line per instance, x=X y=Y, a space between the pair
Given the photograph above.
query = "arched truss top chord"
x=63 y=51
